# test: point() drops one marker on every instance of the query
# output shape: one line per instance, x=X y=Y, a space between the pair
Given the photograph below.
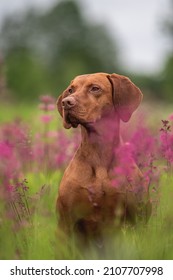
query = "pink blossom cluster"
x=15 y=150
x=22 y=151
x=166 y=141
x=47 y=105
x=152 y=152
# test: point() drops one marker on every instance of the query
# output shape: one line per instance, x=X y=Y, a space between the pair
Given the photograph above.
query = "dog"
x=88 y=203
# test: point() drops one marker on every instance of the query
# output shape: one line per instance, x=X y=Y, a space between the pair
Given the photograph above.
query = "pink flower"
x=52 y=134
x=51 y=107
x=166 y=140
x=171 y=117
x=46 y=118
x=47 y=99
x=5 y=150
x=10 y=188
x=124 y=169
x=46 y=107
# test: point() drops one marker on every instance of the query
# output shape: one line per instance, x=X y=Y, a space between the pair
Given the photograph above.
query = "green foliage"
x=150 y=85
x=25 y=75
x=158 y=86
x=168 y=22
x=166 y=75
x=167 y=79
x=41 y=240
x=45 y=50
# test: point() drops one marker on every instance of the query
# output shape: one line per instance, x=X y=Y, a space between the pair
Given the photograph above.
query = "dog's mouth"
x=74 y=121
x=71 y=119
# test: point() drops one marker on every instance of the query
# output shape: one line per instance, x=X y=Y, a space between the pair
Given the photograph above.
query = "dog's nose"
x=68 y=102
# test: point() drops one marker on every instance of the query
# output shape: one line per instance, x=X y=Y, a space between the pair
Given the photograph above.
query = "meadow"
x=34 y=151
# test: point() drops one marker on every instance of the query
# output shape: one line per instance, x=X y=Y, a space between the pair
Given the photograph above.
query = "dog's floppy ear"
x=61 y=111
x=126 y=96
x=59 y=105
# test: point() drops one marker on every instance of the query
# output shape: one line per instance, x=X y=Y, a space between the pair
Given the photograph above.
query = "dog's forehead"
x=98 y=78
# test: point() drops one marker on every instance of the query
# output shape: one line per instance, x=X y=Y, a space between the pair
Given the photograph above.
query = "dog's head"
x=90 y=97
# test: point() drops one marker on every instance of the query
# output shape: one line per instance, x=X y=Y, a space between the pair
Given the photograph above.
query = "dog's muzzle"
x=68 y=103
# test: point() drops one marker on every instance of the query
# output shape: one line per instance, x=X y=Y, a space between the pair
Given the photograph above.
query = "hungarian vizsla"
x=88 y=202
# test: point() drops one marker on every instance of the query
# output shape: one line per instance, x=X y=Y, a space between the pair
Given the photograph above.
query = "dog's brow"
x=78 y=82
x=93 y=84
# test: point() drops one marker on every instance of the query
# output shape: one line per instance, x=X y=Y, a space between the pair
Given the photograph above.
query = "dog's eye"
x=95 y=88
x=70 y=90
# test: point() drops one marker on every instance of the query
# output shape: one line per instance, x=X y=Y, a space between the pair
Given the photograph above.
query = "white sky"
x=135 y=23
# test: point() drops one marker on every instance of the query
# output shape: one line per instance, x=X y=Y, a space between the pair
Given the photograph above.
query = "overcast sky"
x=135 y=23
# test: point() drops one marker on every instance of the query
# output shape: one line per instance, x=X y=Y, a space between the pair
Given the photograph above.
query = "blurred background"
x=45 y=43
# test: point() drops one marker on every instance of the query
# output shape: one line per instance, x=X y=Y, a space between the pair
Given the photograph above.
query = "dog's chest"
x=101 y=173
x=98 y=188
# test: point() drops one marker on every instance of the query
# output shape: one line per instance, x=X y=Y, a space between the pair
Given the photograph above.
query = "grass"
x=24 y=111
x=37 y=237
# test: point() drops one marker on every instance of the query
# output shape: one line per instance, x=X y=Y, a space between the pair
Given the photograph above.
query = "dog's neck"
x=100 y=140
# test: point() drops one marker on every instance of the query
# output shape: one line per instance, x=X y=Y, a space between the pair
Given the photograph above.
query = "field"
x=35 y=149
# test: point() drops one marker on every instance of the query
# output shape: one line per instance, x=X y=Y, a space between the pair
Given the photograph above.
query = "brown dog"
x=88 y=202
